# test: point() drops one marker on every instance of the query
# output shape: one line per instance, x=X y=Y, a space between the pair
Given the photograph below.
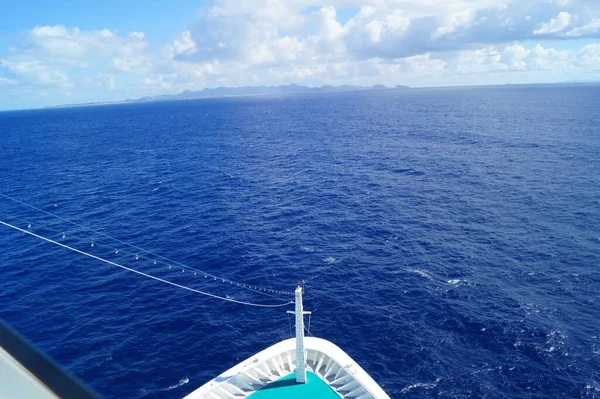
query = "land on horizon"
x=291 y=89
x=244 y=91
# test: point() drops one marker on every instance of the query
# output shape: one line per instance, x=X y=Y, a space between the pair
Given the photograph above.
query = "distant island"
x=221 y=92
x=260 y=91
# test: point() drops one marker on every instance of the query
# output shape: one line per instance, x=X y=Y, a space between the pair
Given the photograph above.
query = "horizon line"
x=365 y=88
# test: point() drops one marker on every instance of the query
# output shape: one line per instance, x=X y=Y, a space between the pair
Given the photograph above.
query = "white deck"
x=323 y=358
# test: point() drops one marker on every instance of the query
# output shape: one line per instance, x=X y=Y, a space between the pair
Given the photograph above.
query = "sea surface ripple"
x=449 y=238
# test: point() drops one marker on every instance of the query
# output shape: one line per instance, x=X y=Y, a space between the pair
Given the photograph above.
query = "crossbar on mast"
x=300 y=355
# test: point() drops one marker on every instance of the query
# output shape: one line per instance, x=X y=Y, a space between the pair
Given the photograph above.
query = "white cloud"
x=184 y=45
x=588 y=58
x=138 y=35
x=328 y=26
x=558 y=24
x=37 y=72
x=454 y=21
x=515 y=57
x=548 y=58
x=374 y=32
x=591 y=27
x=51 y=31
x=82 y=47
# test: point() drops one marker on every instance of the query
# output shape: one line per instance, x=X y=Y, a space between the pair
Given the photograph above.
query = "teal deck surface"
x=287 y=388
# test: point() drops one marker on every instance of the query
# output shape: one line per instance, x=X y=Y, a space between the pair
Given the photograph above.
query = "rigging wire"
x=64 y=235
x=243 y=285
x=142 y=273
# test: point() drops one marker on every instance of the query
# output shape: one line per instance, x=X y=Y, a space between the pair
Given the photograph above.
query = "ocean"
x=449 y=239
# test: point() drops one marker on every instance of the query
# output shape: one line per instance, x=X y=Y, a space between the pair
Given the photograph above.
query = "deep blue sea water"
x=449 y=238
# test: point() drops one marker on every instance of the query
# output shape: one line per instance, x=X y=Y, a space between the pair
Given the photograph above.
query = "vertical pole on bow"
x=300 y=355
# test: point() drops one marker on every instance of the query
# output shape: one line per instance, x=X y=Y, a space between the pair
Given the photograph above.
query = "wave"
x=421 y=273
x=181 y=383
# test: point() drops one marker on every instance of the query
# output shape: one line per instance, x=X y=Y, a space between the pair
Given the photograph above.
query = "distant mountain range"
x=259 y=91
x=238 y=92
x=295 y=89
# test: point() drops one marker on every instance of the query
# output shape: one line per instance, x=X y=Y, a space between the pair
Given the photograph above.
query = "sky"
x=92 y=51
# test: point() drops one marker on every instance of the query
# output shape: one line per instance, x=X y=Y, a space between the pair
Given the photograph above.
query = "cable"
x=142 y=273
x=246 y=286
x=137 y=256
